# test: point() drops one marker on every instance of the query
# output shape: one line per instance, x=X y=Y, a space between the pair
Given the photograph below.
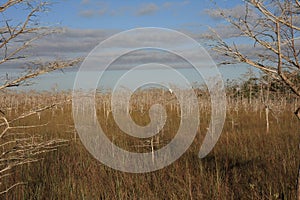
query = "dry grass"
x=247 y=162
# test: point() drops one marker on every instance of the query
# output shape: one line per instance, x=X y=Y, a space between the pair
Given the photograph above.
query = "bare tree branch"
x=52 y=66
x=282 y=61
x=11 y=187
x=17 y=148
x=271 y=16
x=293 y=87
x=8 y=4
x=276 y=30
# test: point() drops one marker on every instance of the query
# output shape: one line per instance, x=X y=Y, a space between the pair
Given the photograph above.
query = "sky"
x=86 y=23
x=124 y=15
x=120 y=14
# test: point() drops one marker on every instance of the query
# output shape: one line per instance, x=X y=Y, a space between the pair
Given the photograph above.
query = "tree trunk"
x=298 y=184
x=297 y=113
x=267 y=119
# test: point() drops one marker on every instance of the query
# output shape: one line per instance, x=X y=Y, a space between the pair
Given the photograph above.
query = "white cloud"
x=87 y=13
x=102 y=11
x=169 y=4
x=85 y=2
x=235 y=12
x=147 y=9
x=93 y=9
x=100 y=8
x=77 y=43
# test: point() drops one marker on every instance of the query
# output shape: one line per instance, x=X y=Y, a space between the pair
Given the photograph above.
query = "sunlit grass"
x=246 y=163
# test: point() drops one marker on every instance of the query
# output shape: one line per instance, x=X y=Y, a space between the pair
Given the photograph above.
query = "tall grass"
x=246 y=163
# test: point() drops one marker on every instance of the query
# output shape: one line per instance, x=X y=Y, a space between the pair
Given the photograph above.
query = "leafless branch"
x=52 y=66
x=17 y=148
x=271 y=16
x=283 y=57
x=9 y=4
x=276 y=31
x=11 y=187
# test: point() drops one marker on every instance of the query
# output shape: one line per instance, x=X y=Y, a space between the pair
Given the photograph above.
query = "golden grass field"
x=247 y=163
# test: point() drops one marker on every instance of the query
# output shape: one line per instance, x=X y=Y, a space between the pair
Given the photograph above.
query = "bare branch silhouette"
x=15 y=37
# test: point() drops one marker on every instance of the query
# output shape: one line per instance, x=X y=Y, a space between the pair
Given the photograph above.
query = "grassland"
x=247 y=163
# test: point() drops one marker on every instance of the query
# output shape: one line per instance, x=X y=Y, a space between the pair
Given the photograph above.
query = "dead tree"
x=15 y=37
x=273 y=29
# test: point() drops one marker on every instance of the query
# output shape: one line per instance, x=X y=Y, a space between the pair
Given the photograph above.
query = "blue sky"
x=120 y=14
x=88 y=22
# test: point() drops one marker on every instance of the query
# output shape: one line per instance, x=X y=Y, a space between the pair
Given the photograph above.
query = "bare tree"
x=274 y=28
x=16 y=36
x=268 y=33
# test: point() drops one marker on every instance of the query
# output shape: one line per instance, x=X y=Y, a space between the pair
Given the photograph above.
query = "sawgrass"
x=247 y=163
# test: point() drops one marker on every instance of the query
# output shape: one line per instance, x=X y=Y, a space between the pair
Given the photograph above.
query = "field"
x=248 y=162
